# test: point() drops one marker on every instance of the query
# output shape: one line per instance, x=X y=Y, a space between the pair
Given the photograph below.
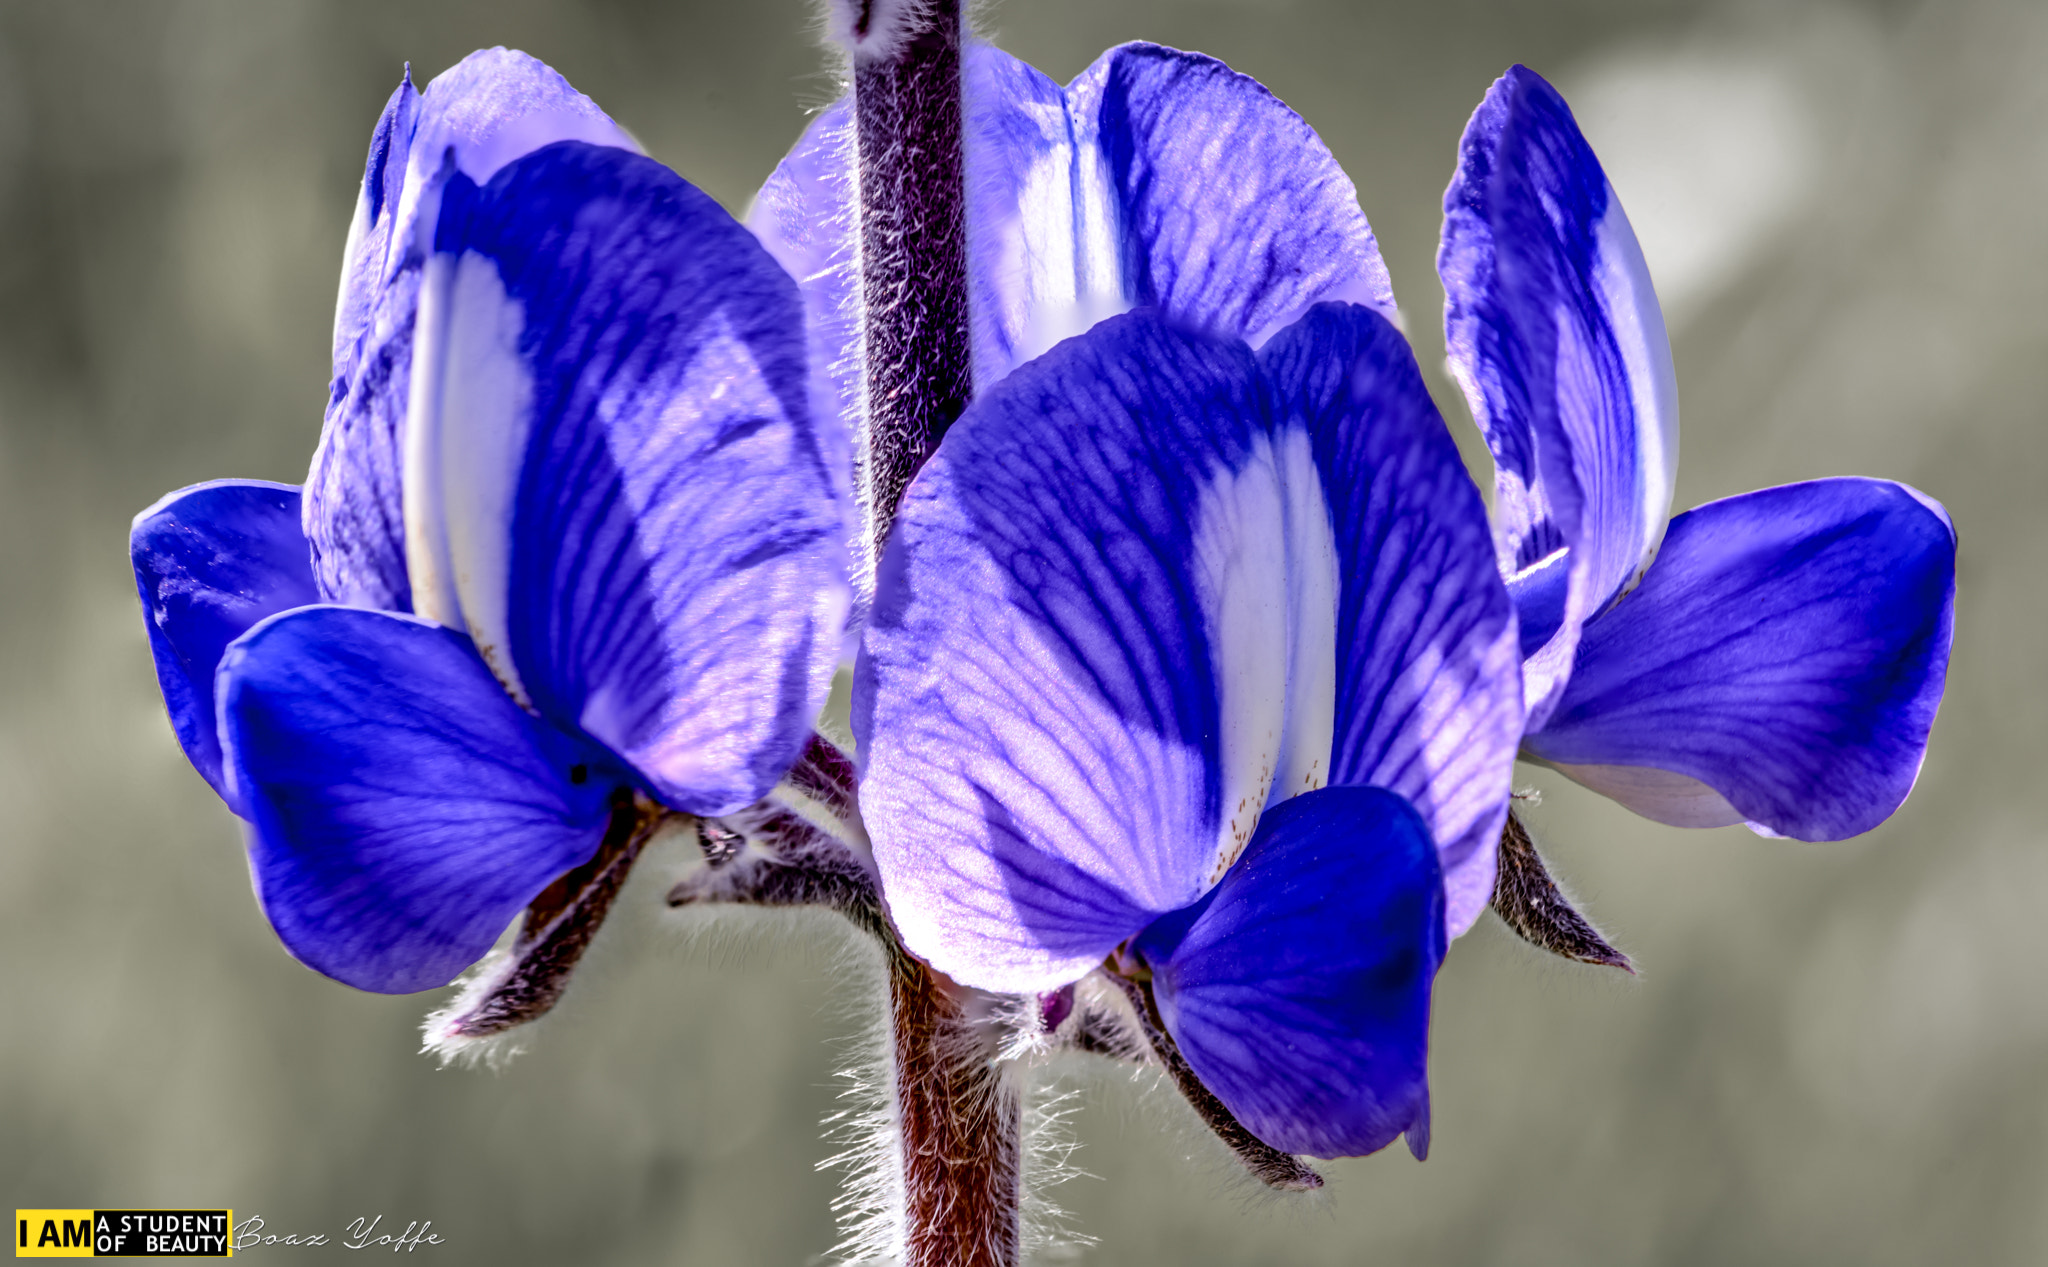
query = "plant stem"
x=955 y=1151
x=957 y=1120
x=956 y=1116
x=913 y=253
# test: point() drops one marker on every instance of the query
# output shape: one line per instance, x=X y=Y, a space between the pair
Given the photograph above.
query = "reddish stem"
x=957 y=1120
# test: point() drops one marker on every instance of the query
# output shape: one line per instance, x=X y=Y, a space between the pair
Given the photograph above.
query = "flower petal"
x=492 y=107
x=404 y=809
x=210 y=561
x=365 y=260
x=1787 y=651
x=1077 y=684
x=1553 y=329
x=804 y=217
x=1299 y=988
x=1157 y=177
x=1428 y=683
x=612 y=479
x=354 y=517
x=1232 y=214
x=1043 y=256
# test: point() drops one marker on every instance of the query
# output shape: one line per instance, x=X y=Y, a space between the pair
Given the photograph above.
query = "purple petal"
x=1787 y=651
x=354 y=517
x=1043 y=256
x=1076 y=686
x=614 y=484
x=492 y=107
x=1299 y=988
x=804 y=216
x=1553 y=329
x=365 y=261
x=210 y=561
x=1232 y=215
x=404 y=809
x=1428 y=699
x=1157 y=177
x=1045 y=240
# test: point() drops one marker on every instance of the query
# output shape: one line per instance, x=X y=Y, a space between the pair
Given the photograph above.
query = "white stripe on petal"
x=1313 y=585
x=1266 y=572
x=487 y=403
x=1069 y=237
x=426 y=533
x=466 y=443
x=1240 y=564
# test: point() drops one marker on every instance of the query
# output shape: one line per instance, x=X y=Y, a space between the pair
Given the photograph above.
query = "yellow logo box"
x=124 y=1233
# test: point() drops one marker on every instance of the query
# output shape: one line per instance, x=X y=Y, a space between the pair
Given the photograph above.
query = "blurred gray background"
x=1834 y=1054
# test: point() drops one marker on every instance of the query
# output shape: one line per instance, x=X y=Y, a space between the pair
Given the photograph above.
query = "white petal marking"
x=426 y=534
x=1265 y=569
x=466 y=433
x=1071 y=241
x=486 y=419
x=1313 y=584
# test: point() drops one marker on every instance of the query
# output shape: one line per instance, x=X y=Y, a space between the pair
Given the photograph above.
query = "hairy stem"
x=957 y=1149
x=913 y=252
x=957 y=1118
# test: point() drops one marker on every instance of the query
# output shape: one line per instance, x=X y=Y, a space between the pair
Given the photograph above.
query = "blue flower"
x=1781 y=660
x=570 y=547
x=1158 y=178
x=1195 y=659
x=1175 y=637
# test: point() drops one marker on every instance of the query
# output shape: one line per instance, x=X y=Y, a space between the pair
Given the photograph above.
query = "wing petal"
x=211 y=561
x=1781 y=663
x=404 y=809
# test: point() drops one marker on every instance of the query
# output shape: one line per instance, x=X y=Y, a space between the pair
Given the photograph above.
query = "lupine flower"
x=1164 y=181
x=571 y=433
x=1781 y=660
x=1195 y=659
x=1158 y=178
x=215 y=559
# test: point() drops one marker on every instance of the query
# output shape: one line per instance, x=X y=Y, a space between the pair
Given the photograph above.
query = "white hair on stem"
x=440 y=1036
x=875 y=30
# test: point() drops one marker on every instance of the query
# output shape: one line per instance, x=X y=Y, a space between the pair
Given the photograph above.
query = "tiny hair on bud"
x=877 y=30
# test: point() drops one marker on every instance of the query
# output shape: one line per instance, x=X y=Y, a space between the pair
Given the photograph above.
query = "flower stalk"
x=957 y=1119
x=913 y=241
x=956 y=1115
x=955 y=1146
